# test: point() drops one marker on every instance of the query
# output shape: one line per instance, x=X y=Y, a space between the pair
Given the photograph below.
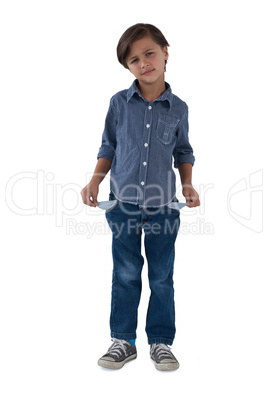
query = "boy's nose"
x=144 y=63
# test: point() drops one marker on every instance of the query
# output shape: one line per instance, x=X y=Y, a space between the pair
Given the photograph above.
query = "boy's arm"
x=192 y=198
x=90 y=192
x=105 y=157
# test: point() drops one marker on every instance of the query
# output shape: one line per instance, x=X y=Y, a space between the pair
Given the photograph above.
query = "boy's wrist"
x=97 y=178
x=186 y=183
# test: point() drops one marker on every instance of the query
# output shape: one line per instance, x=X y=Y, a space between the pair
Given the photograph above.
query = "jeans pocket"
x=176 y=206
x=112 y=203
x=112 y=196
x=108 y=205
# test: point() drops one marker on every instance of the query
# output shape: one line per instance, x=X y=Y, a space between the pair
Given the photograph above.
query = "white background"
x=58 y=72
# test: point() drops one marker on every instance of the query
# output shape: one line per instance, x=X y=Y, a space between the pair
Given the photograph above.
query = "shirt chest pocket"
x=166 y=128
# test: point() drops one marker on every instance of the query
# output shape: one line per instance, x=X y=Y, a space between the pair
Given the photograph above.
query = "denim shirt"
x=141 y=138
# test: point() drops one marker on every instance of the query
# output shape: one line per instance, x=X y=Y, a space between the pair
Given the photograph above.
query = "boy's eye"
x=147 y=54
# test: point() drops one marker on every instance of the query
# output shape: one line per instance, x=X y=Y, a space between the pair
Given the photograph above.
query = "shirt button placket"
x=146 y=137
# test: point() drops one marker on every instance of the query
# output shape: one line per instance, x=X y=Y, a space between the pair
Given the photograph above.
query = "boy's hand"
x=192 y=197
x=89 y=194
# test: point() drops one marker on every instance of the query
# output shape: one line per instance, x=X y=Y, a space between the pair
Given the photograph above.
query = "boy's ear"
x=165 y=51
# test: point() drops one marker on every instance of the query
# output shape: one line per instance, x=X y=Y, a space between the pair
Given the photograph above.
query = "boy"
x=145 y=126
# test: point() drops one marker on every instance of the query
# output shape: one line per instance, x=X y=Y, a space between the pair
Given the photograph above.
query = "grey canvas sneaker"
x=118 y=354
x=163 y=358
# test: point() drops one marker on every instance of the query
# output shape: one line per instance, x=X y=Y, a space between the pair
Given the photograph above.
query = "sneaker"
x=163 y=358
x=118 y=354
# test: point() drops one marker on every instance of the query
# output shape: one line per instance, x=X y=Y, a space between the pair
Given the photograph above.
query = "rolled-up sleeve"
x=183 y=152
x=108 y=145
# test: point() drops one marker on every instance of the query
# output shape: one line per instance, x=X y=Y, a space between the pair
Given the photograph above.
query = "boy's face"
x=146 y=60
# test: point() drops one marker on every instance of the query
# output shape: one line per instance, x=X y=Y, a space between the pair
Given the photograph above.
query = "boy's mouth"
x=148 y=72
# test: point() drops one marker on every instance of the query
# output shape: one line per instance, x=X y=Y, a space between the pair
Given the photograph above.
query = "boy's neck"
x=150 y=92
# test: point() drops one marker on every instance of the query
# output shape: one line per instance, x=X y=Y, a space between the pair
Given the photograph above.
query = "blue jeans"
x=160 y=226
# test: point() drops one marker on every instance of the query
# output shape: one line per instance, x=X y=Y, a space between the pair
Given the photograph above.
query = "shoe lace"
x=161 y=350
x=118 y=347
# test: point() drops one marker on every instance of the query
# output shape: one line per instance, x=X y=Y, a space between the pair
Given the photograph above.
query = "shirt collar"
x=167 y=95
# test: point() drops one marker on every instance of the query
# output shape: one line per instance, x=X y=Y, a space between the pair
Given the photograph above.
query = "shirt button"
x=148 y=125
x=149 y=107
x=146 y=145
x=144 y=163
x=142 y=183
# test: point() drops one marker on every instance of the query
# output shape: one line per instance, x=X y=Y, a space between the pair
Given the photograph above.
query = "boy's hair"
x=136 y=32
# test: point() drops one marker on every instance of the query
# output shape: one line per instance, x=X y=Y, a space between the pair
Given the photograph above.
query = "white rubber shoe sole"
x=111 y=364
x=166 y=365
